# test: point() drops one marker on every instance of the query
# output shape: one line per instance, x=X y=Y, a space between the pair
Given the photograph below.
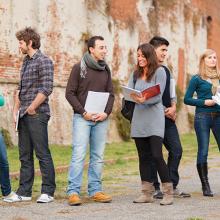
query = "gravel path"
x=122 y=207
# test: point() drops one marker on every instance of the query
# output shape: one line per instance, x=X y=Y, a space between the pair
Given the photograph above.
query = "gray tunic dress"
x=148 y=118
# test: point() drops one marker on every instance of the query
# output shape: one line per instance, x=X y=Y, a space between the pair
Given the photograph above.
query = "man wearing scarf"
x=91 y=74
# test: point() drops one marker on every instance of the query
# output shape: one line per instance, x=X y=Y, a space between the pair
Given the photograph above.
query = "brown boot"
x=74 y=199
x=101 y=197
x=167 y=194
x=147 y=193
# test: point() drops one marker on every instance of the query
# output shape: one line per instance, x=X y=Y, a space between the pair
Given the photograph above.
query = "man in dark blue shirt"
x=171 y=136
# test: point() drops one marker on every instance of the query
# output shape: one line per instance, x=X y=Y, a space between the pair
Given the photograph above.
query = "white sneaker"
x=13 y=197
x=44 y=198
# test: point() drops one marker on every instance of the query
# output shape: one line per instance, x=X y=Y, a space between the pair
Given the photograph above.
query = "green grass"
x=62 y=154
x=194 y=218
x=189 y=144
x=115 y=174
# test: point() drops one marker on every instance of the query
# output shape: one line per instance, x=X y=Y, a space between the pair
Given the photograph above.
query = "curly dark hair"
x=29 y=34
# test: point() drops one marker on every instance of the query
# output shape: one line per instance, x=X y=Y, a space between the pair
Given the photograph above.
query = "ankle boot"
x=203 y=174
x=167 y=189
x=146 y=193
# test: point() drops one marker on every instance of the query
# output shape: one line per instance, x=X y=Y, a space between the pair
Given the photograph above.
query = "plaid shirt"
x=36 y=77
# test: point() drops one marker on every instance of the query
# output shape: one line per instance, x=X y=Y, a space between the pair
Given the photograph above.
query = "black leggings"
x=149 y=149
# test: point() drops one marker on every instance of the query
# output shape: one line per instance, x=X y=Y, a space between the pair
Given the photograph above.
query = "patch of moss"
x=103 y=7
x=190 y=120
x=123 y=126
x=92 y=5
x=188 y=78
x=194 y=218
x=168 y=5
x=84 y=39
x=131 y=60
x=179 y=95
x=107 y=7
x=153 y=18
x=187 y=11
x=196 y=22
x=130 y=24
x=7 y=138
x=110 y=26
x=116 y=86
x=173 y=23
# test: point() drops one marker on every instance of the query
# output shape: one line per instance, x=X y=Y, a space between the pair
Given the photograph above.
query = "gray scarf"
x=88 y=61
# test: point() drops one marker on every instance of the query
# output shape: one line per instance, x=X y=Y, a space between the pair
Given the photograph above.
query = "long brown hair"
x=202 y=66
x=152 y=61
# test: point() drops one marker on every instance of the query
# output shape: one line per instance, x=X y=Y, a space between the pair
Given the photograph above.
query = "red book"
x=151 y=91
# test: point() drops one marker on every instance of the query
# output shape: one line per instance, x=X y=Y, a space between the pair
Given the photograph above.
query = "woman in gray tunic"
x=147 y=125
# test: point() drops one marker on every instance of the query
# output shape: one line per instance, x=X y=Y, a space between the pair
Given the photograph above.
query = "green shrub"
x=123 y=126
x=194 y=218
x=179 y=95
x=116 y=85
x=7 y=138
x=190 y=120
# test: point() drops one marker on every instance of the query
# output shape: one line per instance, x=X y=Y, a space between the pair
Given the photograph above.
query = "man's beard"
x=23 y=51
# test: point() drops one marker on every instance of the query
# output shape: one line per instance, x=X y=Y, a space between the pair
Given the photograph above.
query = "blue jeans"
x=203 y=123
x=4 y=169
x=84 y=133
x=173 y=145
x=33 y=136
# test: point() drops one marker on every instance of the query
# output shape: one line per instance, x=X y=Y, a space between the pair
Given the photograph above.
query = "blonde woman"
x=207 y=113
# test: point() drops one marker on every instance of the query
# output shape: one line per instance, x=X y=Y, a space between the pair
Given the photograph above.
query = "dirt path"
x=122 y=206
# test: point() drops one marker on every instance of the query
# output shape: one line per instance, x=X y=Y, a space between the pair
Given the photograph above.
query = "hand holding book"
x=140 y=96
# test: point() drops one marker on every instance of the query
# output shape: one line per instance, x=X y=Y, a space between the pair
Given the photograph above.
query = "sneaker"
x=74 y=200
x=158 y=194
x=13 y=197
x=180 y=194
x=101 y=197
x=45 y=198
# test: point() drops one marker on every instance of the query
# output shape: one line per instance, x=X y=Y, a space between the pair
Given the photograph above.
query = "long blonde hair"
x=202 y=65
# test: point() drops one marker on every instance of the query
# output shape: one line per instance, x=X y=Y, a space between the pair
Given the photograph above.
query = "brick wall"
x=65 y=26
x=211 y=9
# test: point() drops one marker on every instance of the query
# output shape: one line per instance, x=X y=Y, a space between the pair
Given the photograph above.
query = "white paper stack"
x=96 y=102
x=172 y=88
x=216 y=98
x=17 y=120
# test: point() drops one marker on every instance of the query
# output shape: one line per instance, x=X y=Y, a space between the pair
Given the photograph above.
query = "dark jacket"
x=78 y=87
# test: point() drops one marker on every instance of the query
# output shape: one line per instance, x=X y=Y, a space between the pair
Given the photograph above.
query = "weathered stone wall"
x=66 y=25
